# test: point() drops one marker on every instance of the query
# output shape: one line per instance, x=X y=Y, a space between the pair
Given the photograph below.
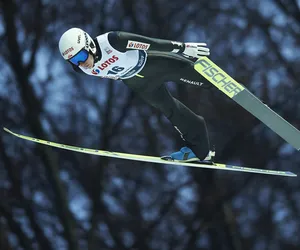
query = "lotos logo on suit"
x=137 y=45
x=108 y=62
x=130 y=45
x=95 y=71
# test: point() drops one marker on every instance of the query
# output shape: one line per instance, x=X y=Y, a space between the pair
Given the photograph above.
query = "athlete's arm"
x=124 y=41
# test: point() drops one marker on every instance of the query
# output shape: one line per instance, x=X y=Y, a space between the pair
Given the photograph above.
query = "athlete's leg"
x=176 y=68
x=191 y=126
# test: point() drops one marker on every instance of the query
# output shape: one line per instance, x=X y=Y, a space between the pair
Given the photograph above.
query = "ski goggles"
x=81 y=56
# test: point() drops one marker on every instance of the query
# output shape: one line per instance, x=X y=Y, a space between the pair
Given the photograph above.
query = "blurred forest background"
x=55 y=199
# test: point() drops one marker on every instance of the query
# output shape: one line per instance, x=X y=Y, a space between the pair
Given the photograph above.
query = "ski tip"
x=7 y=130
x=291 y=174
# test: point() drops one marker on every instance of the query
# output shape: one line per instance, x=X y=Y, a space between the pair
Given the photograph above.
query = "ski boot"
x=185 y=154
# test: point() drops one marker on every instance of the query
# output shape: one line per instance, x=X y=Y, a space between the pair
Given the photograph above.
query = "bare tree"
x=52 y=199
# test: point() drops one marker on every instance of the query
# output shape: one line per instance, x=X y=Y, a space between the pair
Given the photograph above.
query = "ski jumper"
x=145 y=64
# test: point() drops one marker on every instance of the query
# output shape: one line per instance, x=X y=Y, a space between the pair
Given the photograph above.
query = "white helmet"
x=73 y=41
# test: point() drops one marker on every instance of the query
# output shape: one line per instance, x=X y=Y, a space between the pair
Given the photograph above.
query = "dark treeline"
x=55 y=199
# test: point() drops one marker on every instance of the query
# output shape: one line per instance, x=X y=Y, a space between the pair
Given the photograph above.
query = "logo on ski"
x=218 y=77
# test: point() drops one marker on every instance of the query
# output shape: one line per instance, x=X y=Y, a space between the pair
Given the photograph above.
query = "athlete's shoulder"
x=115 y=41
x=113 y=37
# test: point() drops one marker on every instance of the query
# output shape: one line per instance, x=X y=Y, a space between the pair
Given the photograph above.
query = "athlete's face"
x=89 y=63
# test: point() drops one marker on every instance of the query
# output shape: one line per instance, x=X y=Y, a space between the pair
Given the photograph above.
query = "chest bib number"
x=115 y=70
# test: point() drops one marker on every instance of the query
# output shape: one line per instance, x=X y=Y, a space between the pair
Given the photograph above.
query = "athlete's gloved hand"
x=195 y=50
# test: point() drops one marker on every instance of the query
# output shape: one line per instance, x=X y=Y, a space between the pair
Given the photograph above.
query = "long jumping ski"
x=153 y=159
x=247 y=100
